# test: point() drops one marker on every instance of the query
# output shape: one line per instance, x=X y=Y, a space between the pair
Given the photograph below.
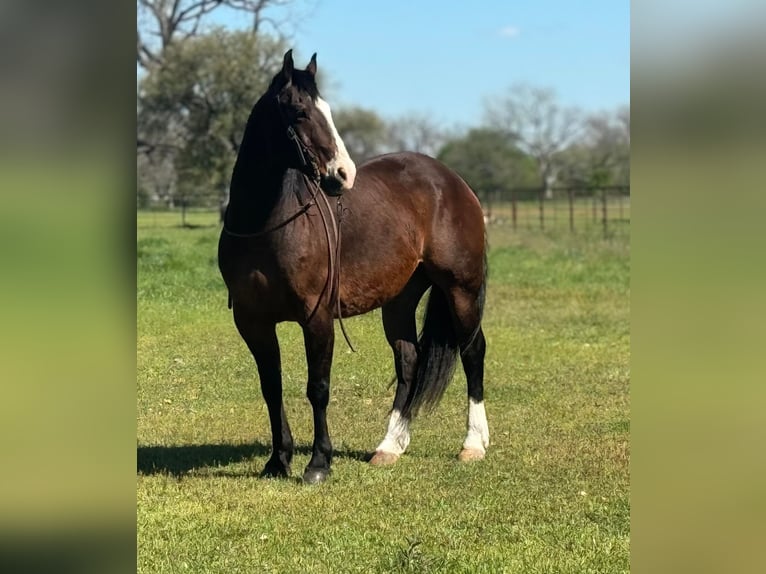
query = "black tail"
x=438 y=350
x=437 y=355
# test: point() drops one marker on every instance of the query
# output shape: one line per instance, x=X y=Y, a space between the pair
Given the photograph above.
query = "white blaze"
x=478 y=430
x=398 y=435
x=342 y=161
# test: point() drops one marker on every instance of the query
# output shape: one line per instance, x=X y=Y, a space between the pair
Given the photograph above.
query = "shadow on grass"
x=180 y=460
x=195 y=225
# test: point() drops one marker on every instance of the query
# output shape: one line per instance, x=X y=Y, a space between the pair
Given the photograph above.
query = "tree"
x=163 y=23
x=194 y=107
x=601 y=156
x=623 y=121
x=363 y=131
x=489 y=161
x=415 y=132
x=540 y=125
x=366 y=134
x=156 y=178
x=167 y=25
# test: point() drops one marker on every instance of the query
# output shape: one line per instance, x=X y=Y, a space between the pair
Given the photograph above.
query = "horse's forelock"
x=305 y=82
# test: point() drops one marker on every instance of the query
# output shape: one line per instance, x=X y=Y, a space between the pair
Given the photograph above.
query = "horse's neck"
x=256 y=182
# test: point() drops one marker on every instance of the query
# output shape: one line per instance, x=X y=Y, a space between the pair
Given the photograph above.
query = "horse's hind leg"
x=262 y=341
x=466 y=307
x=477 y=437
x=401 y=333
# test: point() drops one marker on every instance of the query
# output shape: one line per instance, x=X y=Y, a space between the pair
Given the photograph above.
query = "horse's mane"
x=293 y=182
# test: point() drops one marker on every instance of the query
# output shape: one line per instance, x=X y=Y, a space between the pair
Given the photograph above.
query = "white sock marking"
x=398 y=435
x=342 y=159
x=478 y=430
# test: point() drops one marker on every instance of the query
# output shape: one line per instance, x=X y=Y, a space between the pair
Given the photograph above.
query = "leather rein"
x=332 y=283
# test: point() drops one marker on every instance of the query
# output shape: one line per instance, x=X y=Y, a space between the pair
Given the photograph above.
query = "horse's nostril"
x=342 y=174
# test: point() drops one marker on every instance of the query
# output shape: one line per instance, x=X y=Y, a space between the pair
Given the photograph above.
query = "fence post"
x=542 y=210
x=603 y=210
x=528 y=214
x=622 y=215
x=595 y=200
x=513 y=208
x=570 y=194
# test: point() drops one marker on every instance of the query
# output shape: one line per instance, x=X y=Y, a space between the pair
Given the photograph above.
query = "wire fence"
x=573 y=208
x=589 y=209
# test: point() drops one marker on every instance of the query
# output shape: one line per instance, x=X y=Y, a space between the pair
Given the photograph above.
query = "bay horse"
x=406 y=223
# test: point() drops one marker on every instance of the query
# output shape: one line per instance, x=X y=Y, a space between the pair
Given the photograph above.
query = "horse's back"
x=413 y=172
x=429 y=203
x=413 y=179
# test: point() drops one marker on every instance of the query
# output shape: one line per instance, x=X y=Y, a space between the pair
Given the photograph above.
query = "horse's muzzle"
x=331 y=186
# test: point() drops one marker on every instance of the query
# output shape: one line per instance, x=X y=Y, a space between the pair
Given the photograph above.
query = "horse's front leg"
x=319 y=337
x=261 y=339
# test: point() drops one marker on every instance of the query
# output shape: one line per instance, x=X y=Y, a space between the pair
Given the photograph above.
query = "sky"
x=445 y=58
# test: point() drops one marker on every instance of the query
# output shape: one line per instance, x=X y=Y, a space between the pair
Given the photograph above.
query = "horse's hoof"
x=470 y=454
x=275 y=470
x=315 y=475
x=383 y=458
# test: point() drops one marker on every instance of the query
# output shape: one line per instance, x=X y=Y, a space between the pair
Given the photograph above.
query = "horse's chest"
x=278 y=281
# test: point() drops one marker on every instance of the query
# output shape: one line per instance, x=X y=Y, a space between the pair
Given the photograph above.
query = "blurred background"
x=529 y=104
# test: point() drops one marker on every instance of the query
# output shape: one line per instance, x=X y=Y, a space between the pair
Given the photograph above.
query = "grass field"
x=551 y=496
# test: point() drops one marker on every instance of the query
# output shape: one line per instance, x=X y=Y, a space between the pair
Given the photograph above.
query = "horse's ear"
x=312 y=67
x=288 y=66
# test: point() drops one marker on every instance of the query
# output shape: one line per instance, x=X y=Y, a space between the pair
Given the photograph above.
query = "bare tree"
x=164 y=22
x=157 y=176
x=607 y=137
x=159 y=141
x=601 y=155
x=416 y=132
x=623 y=117
x=175 y=102
x=193 y=109
x=540 y=126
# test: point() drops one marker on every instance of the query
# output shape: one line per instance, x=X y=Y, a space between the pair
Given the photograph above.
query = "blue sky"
x=444 y=58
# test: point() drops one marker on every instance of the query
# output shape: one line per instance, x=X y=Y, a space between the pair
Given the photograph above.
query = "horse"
x=403 y=223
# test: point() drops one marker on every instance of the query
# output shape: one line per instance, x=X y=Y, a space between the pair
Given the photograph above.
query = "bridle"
x=303 y=153
x=307 y=158
x=313 y=184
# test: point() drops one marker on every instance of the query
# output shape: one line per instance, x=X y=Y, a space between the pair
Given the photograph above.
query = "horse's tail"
x=437 y=356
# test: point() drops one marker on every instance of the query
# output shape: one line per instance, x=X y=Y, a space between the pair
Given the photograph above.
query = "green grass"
x=551 y=496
